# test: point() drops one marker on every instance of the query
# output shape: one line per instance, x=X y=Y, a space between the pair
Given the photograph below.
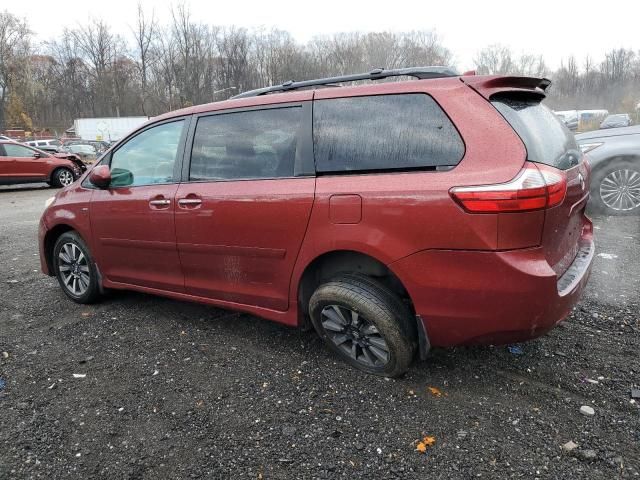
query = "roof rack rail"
x=376 y=74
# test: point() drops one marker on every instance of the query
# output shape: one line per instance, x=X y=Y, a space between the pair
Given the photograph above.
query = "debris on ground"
x=436 y=392
x=587 y=410
x=516 y=350
x=5 y=354
x=79 y=375
x=3 y=383
x=635 y=393
x=425 y=443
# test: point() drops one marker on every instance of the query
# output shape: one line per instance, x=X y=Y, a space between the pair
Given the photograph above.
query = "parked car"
x=50 y=142
x=614 y=155
x=392 y=216
x=569 y=118
x=616 y=121
x=23 y=164
x=85 y=151
x=7 y=139
x=99 y=146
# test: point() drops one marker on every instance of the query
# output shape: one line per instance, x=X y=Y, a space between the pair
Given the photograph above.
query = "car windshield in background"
x=545 y=137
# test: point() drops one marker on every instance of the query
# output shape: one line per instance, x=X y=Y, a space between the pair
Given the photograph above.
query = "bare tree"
x=15 y=46
x=144 y=35
x=495 y=60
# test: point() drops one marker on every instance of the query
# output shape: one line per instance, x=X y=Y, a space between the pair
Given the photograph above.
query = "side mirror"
x=36 y=155
x=100 y=176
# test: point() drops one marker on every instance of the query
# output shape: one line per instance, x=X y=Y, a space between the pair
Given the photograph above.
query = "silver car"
x=614 y=156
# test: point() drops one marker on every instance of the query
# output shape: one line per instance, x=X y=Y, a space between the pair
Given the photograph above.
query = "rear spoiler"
x=488 y=85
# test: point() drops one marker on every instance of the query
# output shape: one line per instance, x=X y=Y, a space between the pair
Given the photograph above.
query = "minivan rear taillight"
x=534 y=188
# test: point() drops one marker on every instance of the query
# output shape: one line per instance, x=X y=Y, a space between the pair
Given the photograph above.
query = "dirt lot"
x=176 y=390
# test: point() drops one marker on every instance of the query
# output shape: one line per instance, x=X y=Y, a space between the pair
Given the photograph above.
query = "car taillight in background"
x=536 y=187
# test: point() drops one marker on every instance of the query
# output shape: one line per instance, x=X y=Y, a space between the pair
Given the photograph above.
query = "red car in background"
x=392 y=216
x=23 y=164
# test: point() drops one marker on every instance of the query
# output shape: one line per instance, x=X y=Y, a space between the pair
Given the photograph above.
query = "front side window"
x=148 y=158
x=383 y=133
x=246 y=145
x=18 y=151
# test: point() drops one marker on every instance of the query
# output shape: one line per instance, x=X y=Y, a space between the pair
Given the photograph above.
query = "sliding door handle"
x=189 y=201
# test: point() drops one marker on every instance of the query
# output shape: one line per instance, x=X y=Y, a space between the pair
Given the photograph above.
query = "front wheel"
x=75 y=269
x=62 y=177
x=365 y=324
x=616 y=189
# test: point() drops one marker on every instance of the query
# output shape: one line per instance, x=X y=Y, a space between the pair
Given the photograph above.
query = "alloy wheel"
x=74 y=269
x=65 y=177
x=354 y=335
x=620 y=190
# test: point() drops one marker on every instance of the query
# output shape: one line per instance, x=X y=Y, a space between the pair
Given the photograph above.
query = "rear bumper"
x=471 y=297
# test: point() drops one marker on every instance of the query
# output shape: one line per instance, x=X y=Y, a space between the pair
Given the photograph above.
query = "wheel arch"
x=331 y=263
x=602 y=165
x=50 y=239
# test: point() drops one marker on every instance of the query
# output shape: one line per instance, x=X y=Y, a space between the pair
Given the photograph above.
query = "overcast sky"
x=555 y=29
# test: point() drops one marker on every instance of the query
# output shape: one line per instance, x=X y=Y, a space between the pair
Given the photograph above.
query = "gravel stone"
x=587 y=410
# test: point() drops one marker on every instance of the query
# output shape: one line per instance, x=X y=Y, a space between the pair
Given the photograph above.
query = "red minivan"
x=391 y=216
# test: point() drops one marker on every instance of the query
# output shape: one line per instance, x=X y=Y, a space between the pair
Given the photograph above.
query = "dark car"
x=614 y=155
x=616 y=121
x=100 y=146
x=392 y=216
x=23 y=164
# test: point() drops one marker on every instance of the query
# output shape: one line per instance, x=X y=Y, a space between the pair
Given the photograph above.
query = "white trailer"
x=108 y=128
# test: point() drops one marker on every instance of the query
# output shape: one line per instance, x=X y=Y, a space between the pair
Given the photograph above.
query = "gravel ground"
x=177 y=390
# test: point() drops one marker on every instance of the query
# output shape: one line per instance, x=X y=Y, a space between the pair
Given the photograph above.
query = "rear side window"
x=246 y=145
x=546 y=138
x=383 y=132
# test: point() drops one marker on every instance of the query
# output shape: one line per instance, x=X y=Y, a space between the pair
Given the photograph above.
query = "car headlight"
x=49 y=201
x=587 y=147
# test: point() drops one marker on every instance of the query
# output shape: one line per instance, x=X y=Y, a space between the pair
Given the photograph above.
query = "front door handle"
x=160 y=203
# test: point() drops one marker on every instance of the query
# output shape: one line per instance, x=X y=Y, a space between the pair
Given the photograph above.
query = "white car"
x=51 y=142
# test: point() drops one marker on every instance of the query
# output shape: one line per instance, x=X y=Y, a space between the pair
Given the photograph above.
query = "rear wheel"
x=75 y=269
x=616 y=189
x=62 y=177
x=365 y=324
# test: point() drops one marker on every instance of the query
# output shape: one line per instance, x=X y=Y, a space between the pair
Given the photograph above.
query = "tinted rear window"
x=383 y=132
x=546 y=138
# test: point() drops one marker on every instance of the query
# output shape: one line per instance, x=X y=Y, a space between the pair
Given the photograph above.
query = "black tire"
x=375 y=306
x=60 y=176
x=602 y=180
x=84 y=288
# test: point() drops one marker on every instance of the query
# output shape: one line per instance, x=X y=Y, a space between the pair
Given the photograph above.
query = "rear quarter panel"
x=403 y=213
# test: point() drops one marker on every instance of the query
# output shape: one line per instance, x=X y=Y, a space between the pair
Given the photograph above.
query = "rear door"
x=550 y=143
x=243 y=207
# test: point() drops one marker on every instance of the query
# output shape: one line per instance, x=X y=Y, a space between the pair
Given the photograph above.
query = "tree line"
x=90 y=71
